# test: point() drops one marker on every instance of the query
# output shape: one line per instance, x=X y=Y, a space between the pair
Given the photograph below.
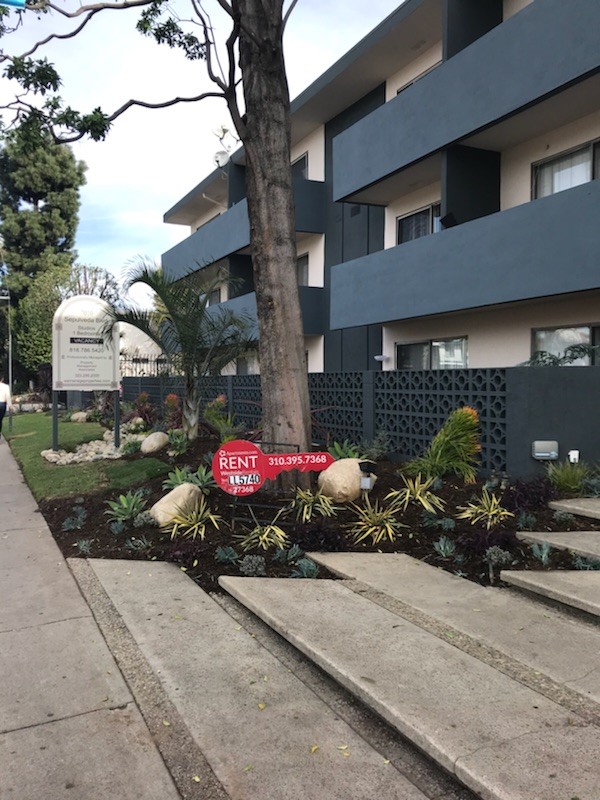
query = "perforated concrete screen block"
x=544 y=450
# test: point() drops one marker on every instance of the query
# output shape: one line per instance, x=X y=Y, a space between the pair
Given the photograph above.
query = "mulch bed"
x=197 y=558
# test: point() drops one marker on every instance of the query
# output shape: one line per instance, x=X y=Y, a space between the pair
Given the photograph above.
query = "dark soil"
x=197 y=558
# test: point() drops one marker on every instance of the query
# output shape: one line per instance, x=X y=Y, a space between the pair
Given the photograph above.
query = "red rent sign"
x=241 y=467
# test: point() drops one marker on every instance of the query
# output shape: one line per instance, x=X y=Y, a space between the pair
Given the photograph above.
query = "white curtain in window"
x=564 y=173
x=449 y=354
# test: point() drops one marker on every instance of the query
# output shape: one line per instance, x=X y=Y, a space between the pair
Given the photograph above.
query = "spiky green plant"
x=542 y=552
x=345 y=449
x=194 y=523
x=127 y=507
x=307 y=504
x=375 y=522
x=264 y=536
x=417 y=491
x=453 y=450
x=486 y=509
x=568 y=478
x=226 y=555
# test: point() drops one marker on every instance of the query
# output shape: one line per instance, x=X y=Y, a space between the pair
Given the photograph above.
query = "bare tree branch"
x=287 y=14
x=94 y=7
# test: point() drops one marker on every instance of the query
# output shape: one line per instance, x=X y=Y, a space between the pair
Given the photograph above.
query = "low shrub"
x=375 y=522
x=486 y=509
x=568 y=478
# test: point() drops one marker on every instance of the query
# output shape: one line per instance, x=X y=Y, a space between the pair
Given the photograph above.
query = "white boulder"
x=79 y=416
x=154 y=442
x=341 y=480
x=180 y=500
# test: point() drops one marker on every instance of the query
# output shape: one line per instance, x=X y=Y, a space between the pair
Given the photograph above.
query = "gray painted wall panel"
x=230 y=232
x=510 y=67
x=546 y=247
x=312 y=306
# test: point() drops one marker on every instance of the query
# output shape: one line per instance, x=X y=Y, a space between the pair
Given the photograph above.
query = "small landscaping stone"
x=79 y=416
x=154 y=442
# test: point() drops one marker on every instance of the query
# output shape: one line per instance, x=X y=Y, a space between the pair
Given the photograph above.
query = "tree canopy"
x=46 y=293
x=39 y=205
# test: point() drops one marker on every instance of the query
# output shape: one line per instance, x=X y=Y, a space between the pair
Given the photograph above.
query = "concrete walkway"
x=69 y=727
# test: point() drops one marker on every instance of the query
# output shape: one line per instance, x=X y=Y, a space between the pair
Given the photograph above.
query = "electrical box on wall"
x=544 y=450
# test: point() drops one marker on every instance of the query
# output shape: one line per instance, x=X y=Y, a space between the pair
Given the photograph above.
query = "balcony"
x=543 y=248
x=312 y=306
x=230 y=232
x=534 y=54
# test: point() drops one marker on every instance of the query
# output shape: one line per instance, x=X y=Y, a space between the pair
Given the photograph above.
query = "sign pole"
x=54 y=420
x=117 y=404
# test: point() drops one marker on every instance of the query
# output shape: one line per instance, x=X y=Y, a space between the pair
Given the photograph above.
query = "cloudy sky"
x=152 y=158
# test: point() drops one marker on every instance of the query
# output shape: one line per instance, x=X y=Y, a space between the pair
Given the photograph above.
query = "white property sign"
x=83 y=356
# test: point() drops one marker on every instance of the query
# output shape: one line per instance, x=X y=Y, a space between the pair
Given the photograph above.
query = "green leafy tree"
x=195 y=339
x=39 y=205
x=249 y=75
x=46 y=293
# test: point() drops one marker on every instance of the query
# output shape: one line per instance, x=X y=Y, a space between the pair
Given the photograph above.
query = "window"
x=214 y=298
x=421 y=223
x=556 y=340
x=300 y=167
x=433 y=354
x=566 y=171
x=302 y=270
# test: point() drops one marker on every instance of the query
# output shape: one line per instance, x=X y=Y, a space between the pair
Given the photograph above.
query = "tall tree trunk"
x=266 y=137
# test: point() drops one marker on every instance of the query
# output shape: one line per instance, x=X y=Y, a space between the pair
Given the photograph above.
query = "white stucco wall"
x=408 y=73
x=516 y=161
x=513 y=6
x=215 y=211
x=314 y=145
x=315 y=349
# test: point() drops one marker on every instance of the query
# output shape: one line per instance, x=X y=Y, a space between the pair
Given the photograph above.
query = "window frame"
x=594 y=328
x=296 y=161
x=590 y=145
x=429 y=343
x=307 y=257
x=430 y=208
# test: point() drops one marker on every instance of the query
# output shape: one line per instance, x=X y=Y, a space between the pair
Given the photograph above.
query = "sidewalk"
x=69 y=727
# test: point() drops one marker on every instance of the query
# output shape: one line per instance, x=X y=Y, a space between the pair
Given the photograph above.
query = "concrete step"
x=574 y=588
x=263 y=732
x=582 y=543
x=502 y=739
x=543 y=639
x=581 y=506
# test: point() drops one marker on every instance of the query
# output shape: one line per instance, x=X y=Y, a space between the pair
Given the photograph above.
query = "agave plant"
x=307 y=504
x=416 y=490
x=194 y=523
x=375 y=522
x=486 y=509
x=264 y=536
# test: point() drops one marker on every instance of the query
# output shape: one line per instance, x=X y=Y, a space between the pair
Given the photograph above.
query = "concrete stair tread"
x=583 y=543
x=544 y=639
x=577 y=588
x=502 y=739
x=581 y=506
x=219 y=678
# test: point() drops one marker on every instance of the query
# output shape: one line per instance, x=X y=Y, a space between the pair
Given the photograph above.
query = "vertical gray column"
x=368 y=405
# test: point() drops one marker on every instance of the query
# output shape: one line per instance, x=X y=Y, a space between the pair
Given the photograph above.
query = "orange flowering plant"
x=453 y=450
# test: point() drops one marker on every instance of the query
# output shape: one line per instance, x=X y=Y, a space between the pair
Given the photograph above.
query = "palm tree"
x=196 y=340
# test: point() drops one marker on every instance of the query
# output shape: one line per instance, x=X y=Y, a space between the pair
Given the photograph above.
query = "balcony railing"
x=543 y=248
x=230 y=232
x=535 y=53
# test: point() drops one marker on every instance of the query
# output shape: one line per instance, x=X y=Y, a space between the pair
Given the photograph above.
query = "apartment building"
x=447 y=212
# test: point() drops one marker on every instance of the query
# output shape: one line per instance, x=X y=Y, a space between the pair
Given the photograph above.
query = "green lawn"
x=32 y=433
